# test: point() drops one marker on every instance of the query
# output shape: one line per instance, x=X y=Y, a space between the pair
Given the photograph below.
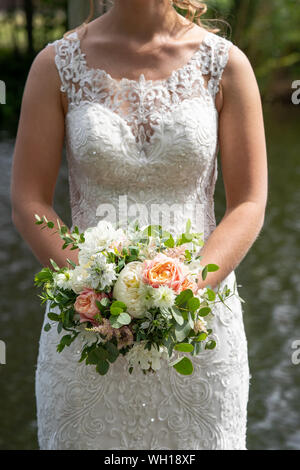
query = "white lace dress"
x=144 y=142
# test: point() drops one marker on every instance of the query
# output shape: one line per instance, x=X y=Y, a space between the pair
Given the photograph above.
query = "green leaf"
x=54 y=265
x=201 y=337
x=184 y=347
x=116 y=310
x=102 y=367
x=170 y=242
x=212 y=268
x=47 y=327
x=65 y=341
x=97 y=354
x=187 y=237
x=53 y=316
x=211 y=295
x=204 y=273
x=124 y=318
x=114 y=321
x=117 y=307
x=188 y=226
x=190 y=320
x=183 y=297
x=193 y=304
x=50 y=224
x=184 y=367
x=177 y=315
x=181 y=332
x=113 y=351
x=210 y=344
x=204 y=311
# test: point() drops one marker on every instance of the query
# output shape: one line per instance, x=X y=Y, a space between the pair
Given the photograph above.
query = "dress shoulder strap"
x=215 y=57
x=70 y=64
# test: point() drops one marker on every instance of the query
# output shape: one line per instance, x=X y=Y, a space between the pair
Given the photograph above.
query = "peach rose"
x=86 y=306
x=163 y=271
x=189 y=284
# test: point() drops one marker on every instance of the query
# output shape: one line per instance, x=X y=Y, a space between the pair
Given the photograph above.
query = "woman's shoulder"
x=44 y=64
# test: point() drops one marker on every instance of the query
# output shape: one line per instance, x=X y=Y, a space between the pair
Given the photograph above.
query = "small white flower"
x=63 y=280
x=79 y=279
x=141 y=358
x=99 y=238
x=101 y=274
x=145 y=293
x=163 y=296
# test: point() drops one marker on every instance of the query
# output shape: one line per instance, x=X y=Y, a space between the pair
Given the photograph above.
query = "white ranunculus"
x=128 y=289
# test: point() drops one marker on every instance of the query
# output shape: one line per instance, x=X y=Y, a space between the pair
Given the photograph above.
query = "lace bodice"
x=153 y=142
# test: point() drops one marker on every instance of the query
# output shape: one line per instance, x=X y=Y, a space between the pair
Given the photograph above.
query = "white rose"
x=128 y=289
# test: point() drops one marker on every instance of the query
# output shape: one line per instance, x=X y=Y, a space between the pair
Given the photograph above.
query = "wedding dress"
x=153 y=142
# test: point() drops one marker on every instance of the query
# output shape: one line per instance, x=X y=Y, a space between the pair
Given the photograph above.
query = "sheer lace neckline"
x=142 y=79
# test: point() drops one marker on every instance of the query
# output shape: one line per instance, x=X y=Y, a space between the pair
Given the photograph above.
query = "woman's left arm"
x=244 y=168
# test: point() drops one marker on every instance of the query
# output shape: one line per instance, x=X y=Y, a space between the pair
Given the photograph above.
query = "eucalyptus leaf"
x=177 y=315
x=204 y=311
x=185 y=366
x=124 y=318
x=184 y=347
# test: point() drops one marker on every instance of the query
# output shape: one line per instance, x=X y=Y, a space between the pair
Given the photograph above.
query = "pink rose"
x=163 y=271
x=86 y=305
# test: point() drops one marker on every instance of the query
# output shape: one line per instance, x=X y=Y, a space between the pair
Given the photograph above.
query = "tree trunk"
x=29 y=10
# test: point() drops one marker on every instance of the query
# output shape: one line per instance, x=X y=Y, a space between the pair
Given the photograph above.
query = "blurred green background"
x=268 y=32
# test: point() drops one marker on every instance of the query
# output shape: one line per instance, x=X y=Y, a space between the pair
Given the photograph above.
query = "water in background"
x=271 y=286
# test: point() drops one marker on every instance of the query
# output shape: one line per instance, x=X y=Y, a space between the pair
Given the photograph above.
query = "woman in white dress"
x=144 y=99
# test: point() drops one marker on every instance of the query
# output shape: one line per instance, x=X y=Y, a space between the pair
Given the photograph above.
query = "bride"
x=144 y=99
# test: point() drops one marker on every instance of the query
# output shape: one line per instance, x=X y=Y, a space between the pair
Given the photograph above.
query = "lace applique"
x=141 y=102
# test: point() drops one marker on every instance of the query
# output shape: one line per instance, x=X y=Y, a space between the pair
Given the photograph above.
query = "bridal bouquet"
x=134 y=292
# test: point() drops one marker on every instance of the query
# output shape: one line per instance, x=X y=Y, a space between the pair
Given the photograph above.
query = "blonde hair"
x=194 y=10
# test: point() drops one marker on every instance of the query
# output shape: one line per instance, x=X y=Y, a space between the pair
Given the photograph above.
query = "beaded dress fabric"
x=136 y=144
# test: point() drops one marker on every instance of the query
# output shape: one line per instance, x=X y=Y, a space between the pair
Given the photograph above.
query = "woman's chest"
x=180 y=140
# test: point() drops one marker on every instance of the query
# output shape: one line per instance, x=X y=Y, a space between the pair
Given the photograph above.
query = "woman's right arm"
x=37 y=159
